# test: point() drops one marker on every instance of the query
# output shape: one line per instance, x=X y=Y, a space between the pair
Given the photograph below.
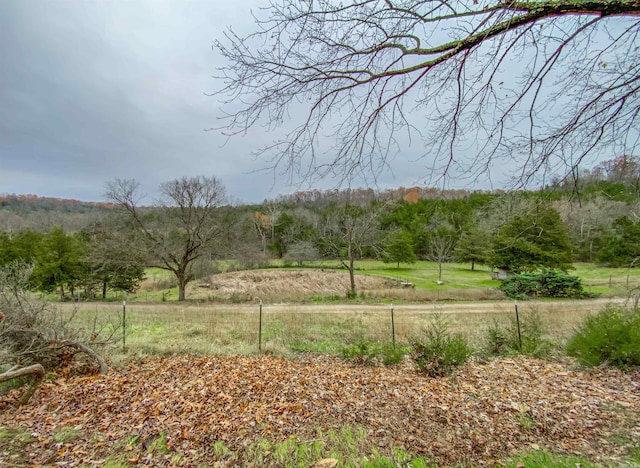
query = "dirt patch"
x=279 y=285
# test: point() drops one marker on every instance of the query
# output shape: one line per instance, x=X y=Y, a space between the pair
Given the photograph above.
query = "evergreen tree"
x=58 y=262
x=398 y=248
x=621 y=246
x=473 y=246
x=532 y=240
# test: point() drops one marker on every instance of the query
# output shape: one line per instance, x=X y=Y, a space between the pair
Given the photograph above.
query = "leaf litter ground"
x=486 y=411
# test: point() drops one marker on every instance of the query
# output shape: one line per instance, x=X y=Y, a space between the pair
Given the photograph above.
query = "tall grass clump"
x=524 y=336
x=367 y=352
x=612 y=336
x=439 y=351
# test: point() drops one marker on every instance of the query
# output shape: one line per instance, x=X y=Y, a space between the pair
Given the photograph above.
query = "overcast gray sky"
x=92 y=90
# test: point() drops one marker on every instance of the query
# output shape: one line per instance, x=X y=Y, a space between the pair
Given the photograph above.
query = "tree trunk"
x=62 y=292
x=182 y=285
x=352 y=278
x=104 y=290
x=473 y=265
x=36 y=370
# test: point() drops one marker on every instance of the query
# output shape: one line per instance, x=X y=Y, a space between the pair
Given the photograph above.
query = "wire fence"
x=143 y=328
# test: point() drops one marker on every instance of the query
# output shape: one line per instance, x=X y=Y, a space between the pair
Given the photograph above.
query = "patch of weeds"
x=13 y=443
x=347 y=446
x=19 y=435
x=524 y=420
x=612 y=336
x=512 y=338
x=543 y=459
x=157 y=444
x=14 y=384
x=406 y=459
x=194 y=332
x=258 y=453
x=630 y=444
x=439 y=351
x=65 y=435
x=367 y=352
x=222 y=452
x=292 y=452
x=115 y=463
x=625 y=435
x=237 y=298
x=363 y=352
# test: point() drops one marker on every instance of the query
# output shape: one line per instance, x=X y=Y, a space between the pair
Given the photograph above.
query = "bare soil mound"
x=279 y=285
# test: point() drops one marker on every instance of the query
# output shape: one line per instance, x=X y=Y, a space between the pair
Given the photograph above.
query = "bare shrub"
x=34 y=332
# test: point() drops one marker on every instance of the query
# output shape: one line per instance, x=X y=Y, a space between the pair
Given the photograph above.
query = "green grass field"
x=424 y=275
x=459 y=282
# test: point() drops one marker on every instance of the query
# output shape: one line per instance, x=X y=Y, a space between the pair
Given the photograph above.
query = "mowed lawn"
x=596 y=279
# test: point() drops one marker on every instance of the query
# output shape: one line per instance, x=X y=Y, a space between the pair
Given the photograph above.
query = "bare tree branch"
x=36 y=370
x=536 y=87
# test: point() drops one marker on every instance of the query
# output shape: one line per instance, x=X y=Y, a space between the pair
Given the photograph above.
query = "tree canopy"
x=535 y=86
x=532 y=240
x=182 y=227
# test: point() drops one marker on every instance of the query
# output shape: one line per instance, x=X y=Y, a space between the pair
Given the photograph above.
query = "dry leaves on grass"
x=486 y=411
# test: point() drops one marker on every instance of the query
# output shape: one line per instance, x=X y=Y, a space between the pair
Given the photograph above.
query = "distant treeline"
x=595 y=217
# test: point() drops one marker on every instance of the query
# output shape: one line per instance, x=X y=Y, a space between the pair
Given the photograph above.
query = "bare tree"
x=348 y=233
x=535 y=85
x=440 y=251
x=261 y=223
x=182 y=227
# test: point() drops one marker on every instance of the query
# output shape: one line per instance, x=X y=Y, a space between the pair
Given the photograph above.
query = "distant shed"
x=500 y=273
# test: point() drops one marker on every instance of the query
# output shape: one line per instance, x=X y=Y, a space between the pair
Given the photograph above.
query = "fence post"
x=518 y=325
x=260 y=329
x=124 y=326
x=393 y=328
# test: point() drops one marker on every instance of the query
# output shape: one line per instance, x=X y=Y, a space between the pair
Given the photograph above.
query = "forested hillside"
x=94 y=248
x=40 y=214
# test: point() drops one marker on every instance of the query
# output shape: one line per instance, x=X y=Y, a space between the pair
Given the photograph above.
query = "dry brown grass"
x=282 y=285
x=169 y=328
x=423 y=295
